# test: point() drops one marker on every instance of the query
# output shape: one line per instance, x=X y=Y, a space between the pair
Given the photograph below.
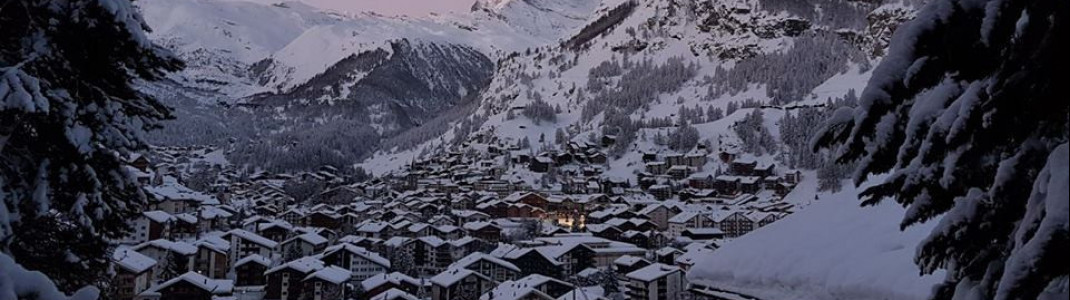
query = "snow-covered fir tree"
x=68 y=117
x=968 y=114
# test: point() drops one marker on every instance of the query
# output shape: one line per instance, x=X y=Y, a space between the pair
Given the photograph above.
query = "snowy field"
x=833 y=249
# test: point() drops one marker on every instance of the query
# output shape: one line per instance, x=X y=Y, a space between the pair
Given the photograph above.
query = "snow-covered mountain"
x=270 y=71
x=637 y=63
x=421 y=85
x=243 y=47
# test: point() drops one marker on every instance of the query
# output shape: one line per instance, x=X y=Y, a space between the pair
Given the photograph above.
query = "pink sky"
x=395 y=7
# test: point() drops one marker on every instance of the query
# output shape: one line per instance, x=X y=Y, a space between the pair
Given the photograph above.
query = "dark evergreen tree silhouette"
x=963 y=114
x=69 y=113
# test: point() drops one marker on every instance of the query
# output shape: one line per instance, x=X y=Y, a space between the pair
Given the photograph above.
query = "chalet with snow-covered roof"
x=660 y=191
x=292 y=216
x=186 y=226
x=361 y=262
x=486 y=231
x=733 y=223
x=684 y=220
x=642 y=239
x=244 y=243
x=656 y=167
x=192 y=286
x=277 y=231
x=680 y=172
x=374 y=229
x=533 y=286
x=657 y=281
x=605 y=231
x=658 y=214
x=540 y=164
x=150 y=225
x=695 y=158
x=521 y=210
x=597 y=158
x=626 y=264
x=284 y=282
x=133 y=273
x=727 y=184
x=249 y=271
x=495 y=268
x=382 y=283
x=328 y=283
x=176 y=256
x=302 y=245
x=459 y=284
x=743 y=166
x=211 y=258
x=430 y=255
x=667 y=255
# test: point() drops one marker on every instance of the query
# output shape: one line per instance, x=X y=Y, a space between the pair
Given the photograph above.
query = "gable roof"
x=305 y=265
x=132 y=260
x=254 y=258
x=394 y=294
x=332 y=274
x=252 y=237
x=359 y=251
x=480 y=256
x=452 y=276
x=652 y=272
x=177 y=247
x=215 y=286
x=396 y=278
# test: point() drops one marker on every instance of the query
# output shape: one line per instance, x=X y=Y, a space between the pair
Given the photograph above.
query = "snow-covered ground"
x=833 y=249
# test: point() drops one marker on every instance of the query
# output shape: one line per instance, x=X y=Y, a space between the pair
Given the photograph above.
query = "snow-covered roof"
x=523 y=288
x=667 y=251
x=309 y=237
x=332 y=274
x=252 y=237
x=394 y=294
x=214 y=286
x=628 y=260
x=480 y=256
x=186 y=217
x=213 y=242
x=158 y=216
x=478 y=225
x=212 y=212
x=358 y=251
x=372 y=227
x=177 y=247
x=171 y=189
x=683 y=217
x=304 y=265
x=396 y=278
x=254 y=258
x=594 y=292
x=652 y=272
x=450 y=277
x=132 y=260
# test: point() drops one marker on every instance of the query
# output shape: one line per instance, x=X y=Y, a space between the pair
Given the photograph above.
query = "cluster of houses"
x=449 y=227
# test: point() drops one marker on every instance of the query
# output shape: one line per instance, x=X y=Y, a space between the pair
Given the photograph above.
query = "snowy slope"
x=247 y=47
x=833 y=249
x=546 y=20
x=706 y=36
x=243 y=30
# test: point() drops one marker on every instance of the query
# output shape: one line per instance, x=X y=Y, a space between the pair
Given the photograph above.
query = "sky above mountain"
x=389 y=7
